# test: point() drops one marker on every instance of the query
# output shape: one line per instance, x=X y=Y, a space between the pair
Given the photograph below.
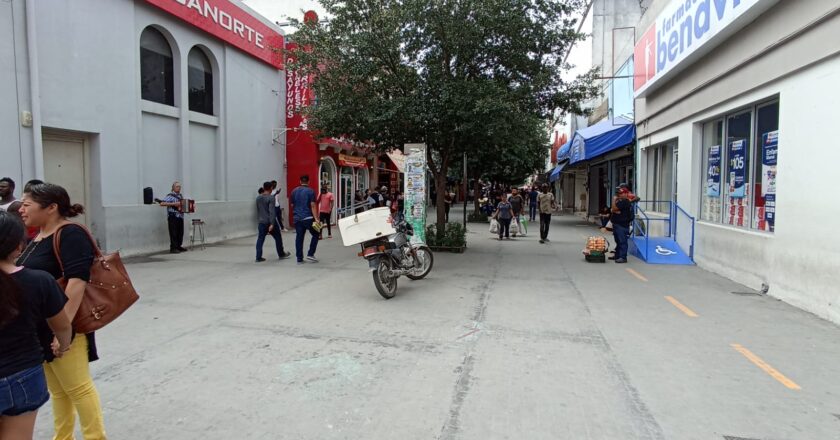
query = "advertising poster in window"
x=415 y=190
x=770 y=150
x=737 y=168
x=713 y=172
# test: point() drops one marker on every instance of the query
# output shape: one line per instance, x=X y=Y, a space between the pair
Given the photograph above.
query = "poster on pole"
x=737 y=169
x=713 y=172
x=769 y=153
x=415 y=190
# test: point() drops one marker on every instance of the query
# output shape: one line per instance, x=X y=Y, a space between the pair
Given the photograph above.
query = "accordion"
x=187 y=206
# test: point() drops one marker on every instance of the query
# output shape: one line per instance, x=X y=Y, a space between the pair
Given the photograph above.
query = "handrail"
x=671 y=230
x=693 y=222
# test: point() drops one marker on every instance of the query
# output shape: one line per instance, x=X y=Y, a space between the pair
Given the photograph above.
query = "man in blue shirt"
x=174 y=218
x=305 y=210
x=533 y=204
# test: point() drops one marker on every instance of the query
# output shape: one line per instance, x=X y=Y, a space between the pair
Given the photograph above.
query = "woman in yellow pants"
x=47 y=207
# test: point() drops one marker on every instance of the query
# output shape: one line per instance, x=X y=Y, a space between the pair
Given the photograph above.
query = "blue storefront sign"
x=769 y=153
x=713 y=172
x=737 y=169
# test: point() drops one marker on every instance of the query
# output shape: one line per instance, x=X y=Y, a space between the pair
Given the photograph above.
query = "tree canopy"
x=475 y=76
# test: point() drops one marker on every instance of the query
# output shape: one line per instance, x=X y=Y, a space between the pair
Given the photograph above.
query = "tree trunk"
x=440 y=187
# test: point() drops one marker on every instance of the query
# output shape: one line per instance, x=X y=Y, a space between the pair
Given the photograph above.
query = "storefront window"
x=737 y=190
x=200 y=82
x=739 y=169
x=156 y=70
x=712 y=161
x=363 y=179
x=767 y=141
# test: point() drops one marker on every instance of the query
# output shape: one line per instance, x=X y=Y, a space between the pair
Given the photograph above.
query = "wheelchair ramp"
x=659 y=250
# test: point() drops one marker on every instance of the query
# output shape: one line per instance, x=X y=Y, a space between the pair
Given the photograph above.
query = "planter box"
x=455 y=250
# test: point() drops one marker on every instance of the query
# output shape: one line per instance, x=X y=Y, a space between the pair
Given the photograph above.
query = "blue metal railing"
x=682 y=231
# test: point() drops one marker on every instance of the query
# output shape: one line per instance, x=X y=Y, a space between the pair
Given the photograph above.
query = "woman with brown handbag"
x=48 y=207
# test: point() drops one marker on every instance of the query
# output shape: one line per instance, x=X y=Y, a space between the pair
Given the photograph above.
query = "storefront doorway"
x=345 y=195
x=327 y=178
x=66 y=164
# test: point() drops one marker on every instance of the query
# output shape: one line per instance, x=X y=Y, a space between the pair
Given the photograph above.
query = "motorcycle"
x=387 y=248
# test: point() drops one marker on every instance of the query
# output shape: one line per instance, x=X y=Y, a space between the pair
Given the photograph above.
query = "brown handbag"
x=108 y=293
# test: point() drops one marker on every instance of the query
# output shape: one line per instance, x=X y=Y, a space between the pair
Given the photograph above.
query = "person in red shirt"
x=326 y=201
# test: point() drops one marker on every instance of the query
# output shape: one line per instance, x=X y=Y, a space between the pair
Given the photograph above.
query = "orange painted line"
x=637 y=275
x=774 y=373
x=690 y=313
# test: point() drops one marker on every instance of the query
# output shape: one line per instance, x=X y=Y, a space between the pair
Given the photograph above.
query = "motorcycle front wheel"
x=427 y=260
x=382 y=279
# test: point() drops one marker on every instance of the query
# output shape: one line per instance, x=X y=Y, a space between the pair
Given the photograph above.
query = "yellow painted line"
x=637 y=275
x=690 y=313
x=774 y=373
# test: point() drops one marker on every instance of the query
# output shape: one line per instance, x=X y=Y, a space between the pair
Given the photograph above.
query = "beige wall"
x=790 y=36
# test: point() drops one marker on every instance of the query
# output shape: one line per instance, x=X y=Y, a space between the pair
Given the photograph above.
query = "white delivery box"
x=365 y=226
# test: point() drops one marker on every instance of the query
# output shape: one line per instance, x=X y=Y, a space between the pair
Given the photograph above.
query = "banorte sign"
x=231 y=24
x=685 y=31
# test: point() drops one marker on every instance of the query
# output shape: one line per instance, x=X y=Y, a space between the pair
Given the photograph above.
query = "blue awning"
x=599 y=139
x=555 y=174
x=563 y=152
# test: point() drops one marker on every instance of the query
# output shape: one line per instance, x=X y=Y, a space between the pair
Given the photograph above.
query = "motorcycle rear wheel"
x=385 y=284
x=427 y=259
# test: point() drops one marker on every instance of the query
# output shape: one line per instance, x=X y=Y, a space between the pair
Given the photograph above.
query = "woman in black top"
x=47 y=207
x=27 y=298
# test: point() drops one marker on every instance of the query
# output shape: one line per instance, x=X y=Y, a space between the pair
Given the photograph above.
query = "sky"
x=281 y=10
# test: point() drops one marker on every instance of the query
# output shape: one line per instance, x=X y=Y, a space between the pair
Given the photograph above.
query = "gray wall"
x=89 y=79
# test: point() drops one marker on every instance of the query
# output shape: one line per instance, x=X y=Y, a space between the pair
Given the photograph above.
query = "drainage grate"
x=731 y=437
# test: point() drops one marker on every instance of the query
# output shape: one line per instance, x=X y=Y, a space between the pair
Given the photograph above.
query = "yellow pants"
x=72 y=390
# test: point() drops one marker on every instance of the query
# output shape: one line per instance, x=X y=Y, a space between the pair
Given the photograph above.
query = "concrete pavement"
x=511 y=340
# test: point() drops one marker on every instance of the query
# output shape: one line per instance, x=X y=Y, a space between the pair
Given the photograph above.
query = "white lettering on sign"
x=682 y=29
x=225 y=20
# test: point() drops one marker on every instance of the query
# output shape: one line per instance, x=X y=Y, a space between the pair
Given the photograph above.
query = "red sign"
x=231 y=24
x=644 y=58
x=298 y=93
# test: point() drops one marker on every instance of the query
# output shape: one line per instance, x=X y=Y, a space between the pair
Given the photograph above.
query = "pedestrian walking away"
x=533 y=205
x=326 y=202
x=447 y=201
x=621 y=218
x=71 y=386
x=175 y=218
x=267 y=224
x=278 y=209
x=305 y=211
x=547 y=205
x=517 y=203
x=504 y=215
x=29 y=299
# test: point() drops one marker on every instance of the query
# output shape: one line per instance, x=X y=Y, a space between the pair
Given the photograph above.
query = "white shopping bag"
x=494 y=226
x=514 y=226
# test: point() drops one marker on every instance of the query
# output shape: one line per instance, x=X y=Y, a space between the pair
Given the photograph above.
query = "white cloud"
x=282 y=10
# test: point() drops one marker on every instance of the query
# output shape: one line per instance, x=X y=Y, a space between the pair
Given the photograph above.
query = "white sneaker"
x=311 y=259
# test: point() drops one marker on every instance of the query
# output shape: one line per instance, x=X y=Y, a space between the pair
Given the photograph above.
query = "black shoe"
x=259 y=260
x=611 y=258
x=547 y=240
x=285 y=255
x=183 y=249
x=174 y=251
x=542 y=241
x=620 y=260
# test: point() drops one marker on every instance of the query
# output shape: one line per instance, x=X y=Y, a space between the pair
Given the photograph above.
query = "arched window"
x=156 y=72
x=200 y=82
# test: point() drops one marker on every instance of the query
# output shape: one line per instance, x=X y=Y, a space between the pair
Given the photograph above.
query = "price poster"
x=415 y=190
x=737 y=168
x=769 y=153
x=713 y=172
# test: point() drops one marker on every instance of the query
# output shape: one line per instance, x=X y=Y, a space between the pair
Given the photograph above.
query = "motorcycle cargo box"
x=365 y=226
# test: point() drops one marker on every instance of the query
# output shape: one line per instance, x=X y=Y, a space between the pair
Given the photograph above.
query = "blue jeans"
x=621 y=235
x=23 y=391
x=262 y=231
x=301 y=226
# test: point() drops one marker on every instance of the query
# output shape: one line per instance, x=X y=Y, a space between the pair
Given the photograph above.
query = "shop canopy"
x=601 y=138
x=555 y=173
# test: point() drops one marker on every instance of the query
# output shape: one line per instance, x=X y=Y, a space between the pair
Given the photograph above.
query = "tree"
x=475 y=76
